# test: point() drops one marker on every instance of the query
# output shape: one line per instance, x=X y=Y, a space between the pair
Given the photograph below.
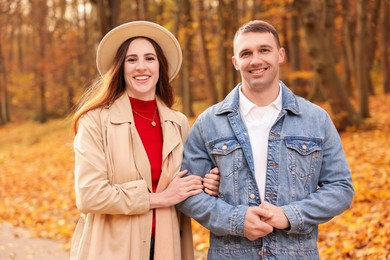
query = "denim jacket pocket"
x=303 y=155
x=227 y=154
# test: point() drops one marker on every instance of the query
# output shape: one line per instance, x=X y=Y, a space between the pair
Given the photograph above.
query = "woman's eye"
x=151 y=58
x=131 y=60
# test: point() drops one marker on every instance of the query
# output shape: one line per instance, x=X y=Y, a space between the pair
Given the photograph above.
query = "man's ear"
x=234 y=61
x=282 y=55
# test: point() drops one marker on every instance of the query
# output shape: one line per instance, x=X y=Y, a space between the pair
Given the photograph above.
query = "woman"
x=128 y=146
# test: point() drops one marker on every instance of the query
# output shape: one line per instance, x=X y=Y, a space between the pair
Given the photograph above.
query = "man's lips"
x=257 y=71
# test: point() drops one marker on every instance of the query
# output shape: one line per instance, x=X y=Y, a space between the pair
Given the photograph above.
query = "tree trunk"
x=184 y=12
x=384 y=45
x=210 y=86
x=41 y=64
x=294 y=51
x=231 y=27
x=109 y=13
x=348 y=51
x=141 y=9
x=324 y=65
x=222 y=53
x=39 y=14
x=227 y=13
x=256 y=9
x=362 y=59
x=372 y=41
x=330 y=14
x=4 y=111
x=19 y=39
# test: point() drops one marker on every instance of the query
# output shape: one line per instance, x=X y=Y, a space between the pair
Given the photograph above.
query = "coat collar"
x=120 y=111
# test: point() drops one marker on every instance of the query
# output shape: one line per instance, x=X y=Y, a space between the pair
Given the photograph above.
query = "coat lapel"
x=140 y=157
x=171 y=133
x=172 y=139
x=120 y=113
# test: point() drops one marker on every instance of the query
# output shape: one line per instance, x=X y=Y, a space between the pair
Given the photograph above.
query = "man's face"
x=257 y=57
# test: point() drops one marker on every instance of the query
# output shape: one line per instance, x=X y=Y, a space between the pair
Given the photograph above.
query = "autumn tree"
x=4 y=100
x=39 y=11
x=348 y=48
x=4 y=114
x=227 y=11
x=185 y=35
x=207 y=72
x=108 y=11
x=384 y=44
x=362 y=76
x=323 y=62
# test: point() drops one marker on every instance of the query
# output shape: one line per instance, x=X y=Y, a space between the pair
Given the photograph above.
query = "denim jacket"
x=307 y=176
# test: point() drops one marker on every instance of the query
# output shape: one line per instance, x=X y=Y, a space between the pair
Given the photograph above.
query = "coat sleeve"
x=94 y=192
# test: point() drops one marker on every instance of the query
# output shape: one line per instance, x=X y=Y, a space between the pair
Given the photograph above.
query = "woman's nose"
x=141 y=65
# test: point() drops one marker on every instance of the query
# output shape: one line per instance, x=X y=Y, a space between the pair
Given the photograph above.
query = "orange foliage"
x=36 y=186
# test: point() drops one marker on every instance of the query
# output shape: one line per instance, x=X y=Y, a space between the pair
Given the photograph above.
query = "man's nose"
x=256 y=58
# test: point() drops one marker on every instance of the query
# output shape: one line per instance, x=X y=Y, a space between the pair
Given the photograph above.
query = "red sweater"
x=151 y=137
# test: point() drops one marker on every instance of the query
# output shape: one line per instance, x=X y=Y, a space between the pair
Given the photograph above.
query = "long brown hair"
x=110 y=86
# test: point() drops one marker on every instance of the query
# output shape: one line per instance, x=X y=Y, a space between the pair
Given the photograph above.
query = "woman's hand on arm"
x=211 y=182
x=178 y=190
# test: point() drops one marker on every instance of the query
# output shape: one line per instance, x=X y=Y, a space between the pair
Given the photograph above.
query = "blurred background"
x=338 y=56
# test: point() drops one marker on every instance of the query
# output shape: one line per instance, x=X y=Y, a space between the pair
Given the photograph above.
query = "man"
x=282 y=166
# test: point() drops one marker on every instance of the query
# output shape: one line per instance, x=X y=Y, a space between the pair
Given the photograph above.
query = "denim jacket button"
x=252 y=196
x=304 y=146
x=224 y=147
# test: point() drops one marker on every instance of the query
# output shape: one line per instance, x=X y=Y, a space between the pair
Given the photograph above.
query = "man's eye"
x=245 y=54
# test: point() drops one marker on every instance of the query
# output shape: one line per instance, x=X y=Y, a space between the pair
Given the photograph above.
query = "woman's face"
x=141 y=70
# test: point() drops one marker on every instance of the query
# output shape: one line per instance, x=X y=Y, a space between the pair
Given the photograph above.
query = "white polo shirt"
x=259 y=121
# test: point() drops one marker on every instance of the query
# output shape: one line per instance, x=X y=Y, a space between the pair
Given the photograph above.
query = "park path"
x=17 y=244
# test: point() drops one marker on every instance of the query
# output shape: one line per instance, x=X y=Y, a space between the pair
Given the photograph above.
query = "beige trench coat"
x=113 y=182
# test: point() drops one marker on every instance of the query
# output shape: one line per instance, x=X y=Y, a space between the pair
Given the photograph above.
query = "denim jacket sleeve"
x=334 y=191
x=213 y=213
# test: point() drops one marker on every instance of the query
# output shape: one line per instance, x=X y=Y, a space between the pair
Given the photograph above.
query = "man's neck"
x=261 y=97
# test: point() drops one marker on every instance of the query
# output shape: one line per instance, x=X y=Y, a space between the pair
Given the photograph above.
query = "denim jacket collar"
x=231 y=102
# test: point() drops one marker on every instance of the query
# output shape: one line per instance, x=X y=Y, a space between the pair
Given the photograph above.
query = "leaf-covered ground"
x=36 y=186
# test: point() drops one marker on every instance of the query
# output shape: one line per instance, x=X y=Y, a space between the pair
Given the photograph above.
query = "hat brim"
x=111 y=42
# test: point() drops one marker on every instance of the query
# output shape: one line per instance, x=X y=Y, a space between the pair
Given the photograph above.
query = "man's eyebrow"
x=259 y=46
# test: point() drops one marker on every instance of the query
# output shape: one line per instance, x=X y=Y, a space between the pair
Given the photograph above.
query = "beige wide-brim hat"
x=111 y=42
